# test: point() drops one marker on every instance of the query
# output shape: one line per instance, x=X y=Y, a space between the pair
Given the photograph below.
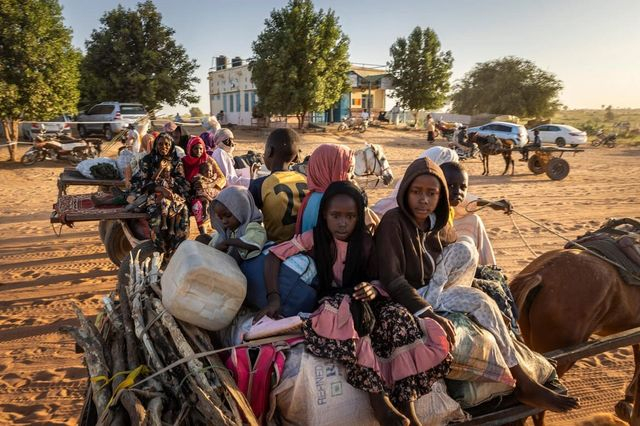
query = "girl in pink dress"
x=388 y=352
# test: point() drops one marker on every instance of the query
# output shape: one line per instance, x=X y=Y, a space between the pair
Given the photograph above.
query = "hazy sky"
x=593 y=46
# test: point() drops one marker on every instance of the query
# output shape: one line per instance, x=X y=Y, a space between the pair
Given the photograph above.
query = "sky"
x=592 y=46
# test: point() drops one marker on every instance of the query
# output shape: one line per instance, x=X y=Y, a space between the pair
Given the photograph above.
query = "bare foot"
x=384 y=411
x=409 y=411
x=546 y=399
x=534 y=394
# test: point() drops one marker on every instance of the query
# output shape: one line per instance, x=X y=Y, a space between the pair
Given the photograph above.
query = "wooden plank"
x=502 y=417
x=92 y=217
x=604 y=344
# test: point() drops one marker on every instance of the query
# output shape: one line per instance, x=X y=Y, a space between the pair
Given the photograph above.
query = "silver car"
x=503 y=130
x=109 y=118
x=58 y=125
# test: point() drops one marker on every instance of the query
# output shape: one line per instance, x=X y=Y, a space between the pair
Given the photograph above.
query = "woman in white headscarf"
x=437 y=154
x=223 y=154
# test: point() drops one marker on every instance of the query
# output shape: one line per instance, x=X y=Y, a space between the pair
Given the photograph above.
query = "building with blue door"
x=232 y=91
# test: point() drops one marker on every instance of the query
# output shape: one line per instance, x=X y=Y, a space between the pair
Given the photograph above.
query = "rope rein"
x=557 y=234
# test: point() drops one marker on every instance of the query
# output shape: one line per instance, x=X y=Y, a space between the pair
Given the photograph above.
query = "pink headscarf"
x=191 y=163
x=328 y=163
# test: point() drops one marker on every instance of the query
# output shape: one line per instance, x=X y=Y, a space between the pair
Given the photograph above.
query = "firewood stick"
x=135 y=288
x=133 y=359
x=129 y=401
x=168 y=354
x=154 y=412
x=86 y=336
x=184 y=412
x=195 y=366
x=239 y=401
x=119 y=364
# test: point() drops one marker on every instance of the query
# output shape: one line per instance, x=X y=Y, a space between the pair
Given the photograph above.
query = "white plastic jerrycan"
x=203 y=286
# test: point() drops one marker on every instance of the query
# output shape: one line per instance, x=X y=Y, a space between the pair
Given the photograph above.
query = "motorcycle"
x=350 y=123
x=609 y=140
x=59 y=147
x=447 y=130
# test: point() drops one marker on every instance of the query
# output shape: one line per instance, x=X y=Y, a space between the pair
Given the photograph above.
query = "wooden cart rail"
x=80 y=208
x=515 y=411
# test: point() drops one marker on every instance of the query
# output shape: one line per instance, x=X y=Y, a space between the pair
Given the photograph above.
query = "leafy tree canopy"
x=420 y=70
x=133 y=57
x=301 y=61
x=195 y=112
x=508 y=85
x=38 y=65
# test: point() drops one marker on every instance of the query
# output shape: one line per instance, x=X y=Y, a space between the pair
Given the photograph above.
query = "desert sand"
x=43 y=379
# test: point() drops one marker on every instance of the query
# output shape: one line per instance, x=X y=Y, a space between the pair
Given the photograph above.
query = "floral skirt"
x=402 y=356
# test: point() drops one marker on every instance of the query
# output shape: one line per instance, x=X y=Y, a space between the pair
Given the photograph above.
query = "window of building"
x=253 y=101
x=224 y=103
x=366 y=102
x=356 y=102
x=237 y=102
x=246 y=102
x=231 y=102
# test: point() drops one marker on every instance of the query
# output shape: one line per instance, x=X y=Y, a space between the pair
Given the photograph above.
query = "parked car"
x=560 y=134
x=503 y=130
x=58 y=125
x=109 y=118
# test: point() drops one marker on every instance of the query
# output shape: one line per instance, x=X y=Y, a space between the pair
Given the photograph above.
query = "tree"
x=300 y=61
x=195 y=112
x=420 y=71
x=133 y=57
x=509 y=85
x=39 y=67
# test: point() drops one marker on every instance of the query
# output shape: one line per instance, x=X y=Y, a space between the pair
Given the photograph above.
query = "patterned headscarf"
x=221 y=136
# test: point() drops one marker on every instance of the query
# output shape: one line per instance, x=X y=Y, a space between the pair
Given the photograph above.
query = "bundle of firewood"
x=147 y=367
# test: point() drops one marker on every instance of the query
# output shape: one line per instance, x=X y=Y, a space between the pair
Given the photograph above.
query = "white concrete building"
x=232 y=91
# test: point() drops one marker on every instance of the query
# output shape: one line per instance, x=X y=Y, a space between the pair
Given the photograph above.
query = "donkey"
x=490 y=145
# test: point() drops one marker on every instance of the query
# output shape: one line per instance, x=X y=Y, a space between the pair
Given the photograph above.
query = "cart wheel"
x=535 y=165
x=143 y=250
x=116 y=243
x=557 y=168
x=103 y=228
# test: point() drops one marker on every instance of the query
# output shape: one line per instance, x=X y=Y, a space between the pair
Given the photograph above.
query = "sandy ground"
x=42 y=379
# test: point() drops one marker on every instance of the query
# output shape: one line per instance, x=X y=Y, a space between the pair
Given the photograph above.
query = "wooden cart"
x=119 y=229
x=545 y=159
